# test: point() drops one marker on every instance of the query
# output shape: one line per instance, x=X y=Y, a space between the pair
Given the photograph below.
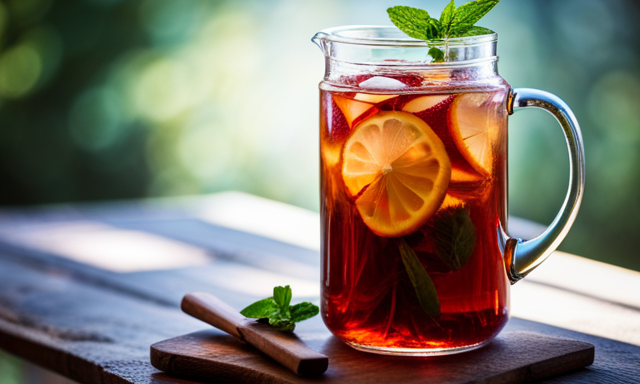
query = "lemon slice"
x=352 y=109
x=398 y=170
x=470 y=125
x=422 y=103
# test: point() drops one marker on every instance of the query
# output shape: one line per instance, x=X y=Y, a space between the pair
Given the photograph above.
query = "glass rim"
x=336 y=34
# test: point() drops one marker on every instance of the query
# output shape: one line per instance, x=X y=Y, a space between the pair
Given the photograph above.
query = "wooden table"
x=85 y=289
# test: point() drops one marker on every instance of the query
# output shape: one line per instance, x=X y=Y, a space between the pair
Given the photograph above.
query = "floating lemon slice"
x=422 y=103
x=470 y=126
x=398 y=170
x=353 y=110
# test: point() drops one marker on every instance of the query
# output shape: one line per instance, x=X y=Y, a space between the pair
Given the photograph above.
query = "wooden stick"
x=284 y=347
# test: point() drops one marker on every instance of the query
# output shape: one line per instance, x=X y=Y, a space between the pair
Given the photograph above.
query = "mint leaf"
x=437 y=55
x=473 y=31
x=303 y=311
x=446 y=18
x=287 y=297
x=282 y=324
x=421 y=281
x=435 y=29
x=277 y=311
x=468 y=14
x=454 y=236
x=260 y=309
x=282 y=297
x=415 y=22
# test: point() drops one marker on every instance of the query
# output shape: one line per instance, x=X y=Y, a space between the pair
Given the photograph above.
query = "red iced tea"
x=413 y=197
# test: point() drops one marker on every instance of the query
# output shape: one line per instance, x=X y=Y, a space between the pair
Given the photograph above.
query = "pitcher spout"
x=320 y=39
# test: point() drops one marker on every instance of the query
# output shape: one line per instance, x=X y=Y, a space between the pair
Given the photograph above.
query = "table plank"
x=590 y=278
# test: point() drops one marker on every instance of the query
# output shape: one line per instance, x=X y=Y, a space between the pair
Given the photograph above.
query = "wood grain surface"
x=95 y=325
x=514 y=357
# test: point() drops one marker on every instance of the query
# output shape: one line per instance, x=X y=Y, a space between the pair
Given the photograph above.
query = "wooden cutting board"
x=513 y=357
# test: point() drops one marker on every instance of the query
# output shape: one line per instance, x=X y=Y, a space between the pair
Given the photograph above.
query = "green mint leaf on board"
x=282 y=296
x=415 y=22
x=260 y=309
x=282 y=324
x=421 y=281
x=303 y=311
x=278 y=312
x=454 y=236
x=468 y=14
x=437 y=55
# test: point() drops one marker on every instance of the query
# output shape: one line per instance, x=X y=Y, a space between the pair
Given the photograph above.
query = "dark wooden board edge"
x=549 y=368
x=190 y=367
x=165 y=358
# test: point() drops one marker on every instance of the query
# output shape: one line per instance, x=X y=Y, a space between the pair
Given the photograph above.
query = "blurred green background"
x=115 y=99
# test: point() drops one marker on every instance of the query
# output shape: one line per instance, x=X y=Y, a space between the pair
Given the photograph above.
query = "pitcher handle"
x=522 y=256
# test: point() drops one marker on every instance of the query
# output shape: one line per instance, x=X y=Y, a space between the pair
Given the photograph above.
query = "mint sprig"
x=278 y=311
x=453 y=22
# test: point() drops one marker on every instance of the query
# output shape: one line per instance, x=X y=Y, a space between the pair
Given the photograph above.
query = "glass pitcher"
x=416 y=255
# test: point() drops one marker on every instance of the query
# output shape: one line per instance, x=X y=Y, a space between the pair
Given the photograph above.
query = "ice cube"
x=382 y=83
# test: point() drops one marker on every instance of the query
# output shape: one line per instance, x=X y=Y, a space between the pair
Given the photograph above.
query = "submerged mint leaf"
x=454 y=236
x=277 y=311
x=468 y=14
x=303 y=311
x=437 y=55
x=415 y=22
x=421 y=281
x=260 y=309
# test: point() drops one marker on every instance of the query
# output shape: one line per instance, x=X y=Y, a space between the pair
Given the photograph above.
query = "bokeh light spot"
x=613 y=106
x=207 y=153
x=94 y=121
x=161 y=92
x=171 y=21
x=20 y=68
